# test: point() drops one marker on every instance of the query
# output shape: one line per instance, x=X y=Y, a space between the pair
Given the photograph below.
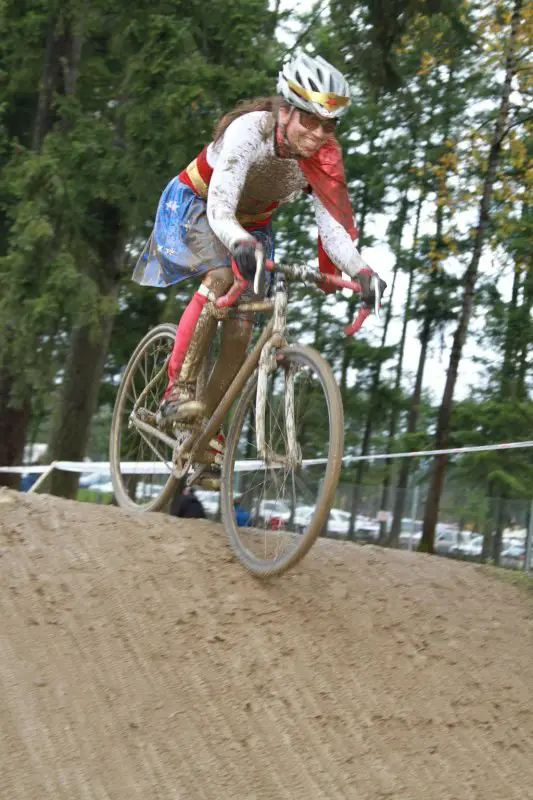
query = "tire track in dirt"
x=139 y=660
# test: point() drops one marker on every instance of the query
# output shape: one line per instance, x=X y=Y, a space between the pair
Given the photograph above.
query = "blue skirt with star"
x=182 y=244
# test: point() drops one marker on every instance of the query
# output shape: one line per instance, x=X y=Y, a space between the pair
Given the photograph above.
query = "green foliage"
x=140 y=100
x=137 y=110
x=508 y=473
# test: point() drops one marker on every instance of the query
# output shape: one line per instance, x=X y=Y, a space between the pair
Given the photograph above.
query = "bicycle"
x=270 y=453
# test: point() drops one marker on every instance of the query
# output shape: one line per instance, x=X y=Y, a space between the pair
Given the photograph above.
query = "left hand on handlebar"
x=365 y=278
x=245 y=259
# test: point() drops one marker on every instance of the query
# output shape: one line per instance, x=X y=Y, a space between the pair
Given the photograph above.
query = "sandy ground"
x=139 y=660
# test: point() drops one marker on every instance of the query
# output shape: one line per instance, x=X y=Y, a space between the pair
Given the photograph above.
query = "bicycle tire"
x=259 y=567
x=120 y=489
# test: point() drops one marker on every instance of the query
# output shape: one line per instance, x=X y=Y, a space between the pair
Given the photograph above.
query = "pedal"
x=209 y=483
x=188 y=411
x=147 y=416
x=204 y=478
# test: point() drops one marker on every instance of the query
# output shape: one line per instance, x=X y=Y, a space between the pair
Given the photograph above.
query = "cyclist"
x=264 y=153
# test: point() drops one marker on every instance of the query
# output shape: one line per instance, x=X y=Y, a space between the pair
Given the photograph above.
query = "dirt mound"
x=139 y=660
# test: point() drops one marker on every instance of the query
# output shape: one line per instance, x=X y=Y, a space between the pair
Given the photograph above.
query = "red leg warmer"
x=184 y=335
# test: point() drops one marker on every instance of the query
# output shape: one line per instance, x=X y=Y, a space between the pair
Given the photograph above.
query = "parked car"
x=365 y=527
x=302 y=517
x=408 y=535
x=270 y=510
x=467 y=545
x=446 y=538
x=210 y=501
x=92 y=480
x=513 y=554
x=473 y=547
x=338 y=521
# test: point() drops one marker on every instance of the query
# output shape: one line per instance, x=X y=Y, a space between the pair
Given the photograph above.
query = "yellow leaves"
x=449 y=162
x=427 y=63
x=518 y=155
x=418 y=171
x=437 y=255
x=465 y=197
x=525 y=31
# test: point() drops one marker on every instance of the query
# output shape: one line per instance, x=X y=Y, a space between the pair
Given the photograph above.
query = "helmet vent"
x=303 y=82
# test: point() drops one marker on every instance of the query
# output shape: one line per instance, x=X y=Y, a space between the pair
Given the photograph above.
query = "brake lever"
x=366 y=310
x=259 y=270
x=377 y=296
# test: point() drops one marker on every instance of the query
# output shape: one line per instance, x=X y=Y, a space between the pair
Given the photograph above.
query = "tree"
x=116 y=107
x=470 y=277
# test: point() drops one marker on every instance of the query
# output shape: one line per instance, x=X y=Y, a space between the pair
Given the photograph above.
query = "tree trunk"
x=385 y=494
x=512 y=339
x=352 y=305
x=362 y=465
x=80 y=393
x=443 y=423
x=13 y=423
x=87 y=356
x=496 y=543
x=403 y=478
x=48 y=85
x=318 y=338
x=14 y=417
x=525 y=334
x=354 y=300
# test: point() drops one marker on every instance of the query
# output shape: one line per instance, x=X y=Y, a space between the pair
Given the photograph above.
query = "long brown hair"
x=272 y=104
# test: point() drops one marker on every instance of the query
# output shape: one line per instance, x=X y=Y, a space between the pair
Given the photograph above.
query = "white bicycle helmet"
x=313 y=85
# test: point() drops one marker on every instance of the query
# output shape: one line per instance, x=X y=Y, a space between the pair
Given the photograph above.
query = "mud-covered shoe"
x=180 y=405
x=209 y=477
x=216 y=449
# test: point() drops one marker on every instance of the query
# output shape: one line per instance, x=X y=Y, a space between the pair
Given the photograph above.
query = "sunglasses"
x=311 y=123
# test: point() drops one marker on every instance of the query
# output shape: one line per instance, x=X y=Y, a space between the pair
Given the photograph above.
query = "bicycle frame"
x=262 y=357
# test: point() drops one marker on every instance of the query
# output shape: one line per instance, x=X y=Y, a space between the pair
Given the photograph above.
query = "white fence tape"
x=133 y=467
x=159 y=468
x=449 y=451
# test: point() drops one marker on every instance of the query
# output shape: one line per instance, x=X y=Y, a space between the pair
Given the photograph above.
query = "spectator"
x=187 y=505
x=27 y=481
x=241 y=514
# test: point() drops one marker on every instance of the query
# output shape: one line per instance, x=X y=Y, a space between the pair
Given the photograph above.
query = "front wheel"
x=288 y=501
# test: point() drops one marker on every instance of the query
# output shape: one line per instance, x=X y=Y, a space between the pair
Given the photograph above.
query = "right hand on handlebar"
x=245 y=256
x=366 y=282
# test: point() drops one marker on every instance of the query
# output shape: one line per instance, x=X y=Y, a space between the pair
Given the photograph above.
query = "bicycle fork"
x=270 y=356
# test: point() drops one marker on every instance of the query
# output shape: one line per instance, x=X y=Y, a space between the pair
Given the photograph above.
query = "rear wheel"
x=288 y=503
x=149 y=490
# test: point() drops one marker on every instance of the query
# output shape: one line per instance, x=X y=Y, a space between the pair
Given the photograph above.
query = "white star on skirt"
x=172 y=205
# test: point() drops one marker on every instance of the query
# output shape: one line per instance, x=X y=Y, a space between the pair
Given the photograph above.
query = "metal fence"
x=471 y=524
x=470 y=527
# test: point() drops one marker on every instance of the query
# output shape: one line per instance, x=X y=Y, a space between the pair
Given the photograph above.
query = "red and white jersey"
x=244 y=181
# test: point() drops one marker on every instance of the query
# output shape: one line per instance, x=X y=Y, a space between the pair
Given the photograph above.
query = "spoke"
x=159 y=455
x=137 y=445
x=282 y=495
